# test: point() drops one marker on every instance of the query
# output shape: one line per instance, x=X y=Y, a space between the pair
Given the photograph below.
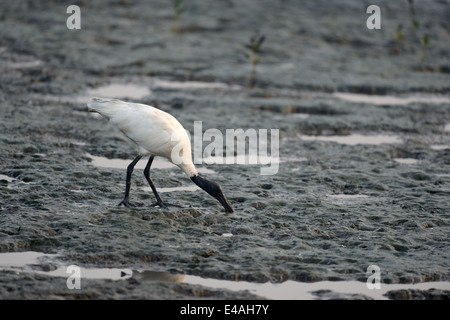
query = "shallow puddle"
x=135 y=91
x=247 y=159
x=189 y=85
x=406 y=160
x=174 y=189
x=5 y=177
x=347 y=196
x=131 y=91
x=346 y=199
x=355 y=139
x=227 y=235
x=34 y=262
x=293 y=290
x=299 y=115
x=22 y=259
x=439 y=147
x=25 y=64
x=12 y=181
x=390 y=100
x=158 y=163
x=103 y=162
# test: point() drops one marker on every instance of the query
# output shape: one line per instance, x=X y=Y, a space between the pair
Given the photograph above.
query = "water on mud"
x=27 y=262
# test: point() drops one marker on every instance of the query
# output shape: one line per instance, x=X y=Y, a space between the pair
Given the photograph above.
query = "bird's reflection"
x=158 y=276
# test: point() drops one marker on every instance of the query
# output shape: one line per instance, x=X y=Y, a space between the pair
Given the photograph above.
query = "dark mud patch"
x=432 y=294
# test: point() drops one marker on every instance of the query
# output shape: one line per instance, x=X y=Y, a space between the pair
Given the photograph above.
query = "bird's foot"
x=126 y=203
x=165 y=205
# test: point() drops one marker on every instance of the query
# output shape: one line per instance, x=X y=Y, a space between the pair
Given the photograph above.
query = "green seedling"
x=399 y=36
x=424 y=42
x=412 y=15
x=254 y=53
x=178 y=9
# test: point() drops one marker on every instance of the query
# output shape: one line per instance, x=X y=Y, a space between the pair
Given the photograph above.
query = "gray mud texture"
x=330 y=211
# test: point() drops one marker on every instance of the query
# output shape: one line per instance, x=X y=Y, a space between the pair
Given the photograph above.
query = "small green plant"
x=412 y=16
x=254 y=53
x=178 y=9
x=424 y=42
x=399 y=36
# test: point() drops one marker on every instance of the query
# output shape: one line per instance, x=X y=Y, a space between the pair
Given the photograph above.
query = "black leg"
x=159 y=202
x=150 y=182
x=126 y=199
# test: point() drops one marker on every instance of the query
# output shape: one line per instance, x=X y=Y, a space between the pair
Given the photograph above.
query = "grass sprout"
x=254 y=53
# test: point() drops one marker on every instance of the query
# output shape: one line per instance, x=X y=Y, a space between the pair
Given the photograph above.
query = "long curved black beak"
x=213 y=189
x=225 y=203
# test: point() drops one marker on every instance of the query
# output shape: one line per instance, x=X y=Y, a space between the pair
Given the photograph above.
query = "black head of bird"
x=213 y=189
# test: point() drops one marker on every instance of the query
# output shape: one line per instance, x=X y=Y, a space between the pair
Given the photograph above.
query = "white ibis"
x=156 y=133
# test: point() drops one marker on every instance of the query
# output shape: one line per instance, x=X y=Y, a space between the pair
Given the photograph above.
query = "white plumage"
x=155 y=133
x=152 y=130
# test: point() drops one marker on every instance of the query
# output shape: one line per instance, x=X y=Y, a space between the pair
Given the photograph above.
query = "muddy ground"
x=292 y=225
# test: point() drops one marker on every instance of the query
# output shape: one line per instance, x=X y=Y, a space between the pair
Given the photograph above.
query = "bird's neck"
x=189 y=169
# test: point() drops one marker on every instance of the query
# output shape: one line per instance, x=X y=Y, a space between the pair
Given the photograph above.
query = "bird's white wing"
x=153 y=130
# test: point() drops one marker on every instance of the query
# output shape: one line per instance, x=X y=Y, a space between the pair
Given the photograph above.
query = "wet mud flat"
x=363 y=174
